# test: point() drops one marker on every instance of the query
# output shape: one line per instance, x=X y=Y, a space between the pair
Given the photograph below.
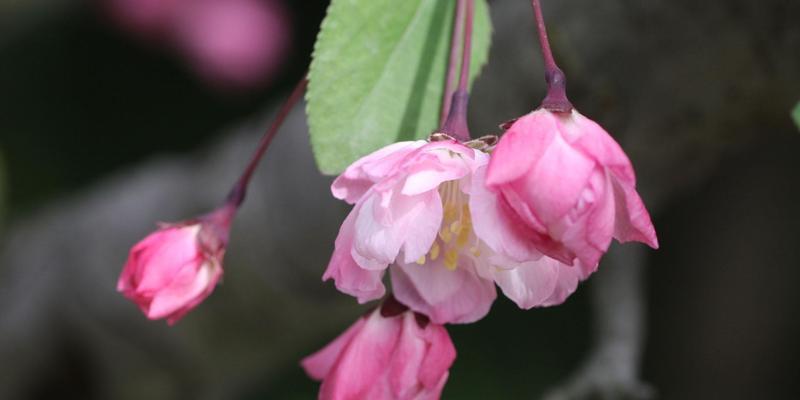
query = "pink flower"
x=234 y=43
x=564 y=188
x=415 y=215
x=176 y=267
x=390 y=354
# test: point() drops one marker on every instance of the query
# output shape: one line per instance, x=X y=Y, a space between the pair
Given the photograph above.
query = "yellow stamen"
x=434 y=251
x=445 y=235
x=455 y=226
x=421 y=260
x=463 y=236
x=451 y=259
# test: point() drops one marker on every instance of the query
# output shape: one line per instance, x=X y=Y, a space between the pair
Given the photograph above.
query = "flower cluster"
x=451 y=221
x=448 y=219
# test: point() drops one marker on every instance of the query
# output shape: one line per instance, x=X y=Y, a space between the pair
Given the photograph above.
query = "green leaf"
x=378 y=72
x=796 y=115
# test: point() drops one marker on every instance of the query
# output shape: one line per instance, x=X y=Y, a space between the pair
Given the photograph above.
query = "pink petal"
x=423 y=228
x=366 y=171
x=556 y=181
x=521 y=147
x=408 y=222
x=438 y=359
x=437 y=163
x=588 y=229
x=501 y=231
x=190 y=286
x=632 y=219
x=435 y=392
x=408 y=355
x=349 y=277
x=161 y=255
x=567 y=282
x=362 y=364
x=445 y=296
x=530 y=284
x=593 y=140
x=319 y=364
x=530 y=227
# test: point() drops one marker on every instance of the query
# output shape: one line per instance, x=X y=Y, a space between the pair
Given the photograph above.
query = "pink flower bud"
x=176 y=267
x=565 y=188
x=392 y=353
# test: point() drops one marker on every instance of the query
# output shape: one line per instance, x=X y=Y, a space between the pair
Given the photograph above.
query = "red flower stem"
x=239 y=190
x=466 y=53
x=556 y=98
x=452 y=66
x=456 y=123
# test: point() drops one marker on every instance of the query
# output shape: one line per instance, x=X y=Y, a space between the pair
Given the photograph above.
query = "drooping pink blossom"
x=416 y=215
x=564 y=188
x=175 y=268
x=390 y=354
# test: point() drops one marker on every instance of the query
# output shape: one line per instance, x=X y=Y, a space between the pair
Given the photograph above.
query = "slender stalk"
x=556 y=98
x=466 y=53
x=452 y=66
x=456 y=123
x=239 y=190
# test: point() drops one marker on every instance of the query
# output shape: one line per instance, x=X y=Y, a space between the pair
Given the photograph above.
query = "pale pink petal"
x=408 y=222
x=632 y=219
x=437 y=163
x=521 y=147
x=501 y=231
x=446 y=296
x=366 y=171
x=378 y=236
x=319 y=364
x=428 y=176
x=348 y=276
x=567 y=282
x=423 y=228
x=530 y=284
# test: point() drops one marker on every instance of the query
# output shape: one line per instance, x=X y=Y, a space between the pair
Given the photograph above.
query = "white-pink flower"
x=175 y=268
x=415 y=215
x=564 y=188
x=390 y=354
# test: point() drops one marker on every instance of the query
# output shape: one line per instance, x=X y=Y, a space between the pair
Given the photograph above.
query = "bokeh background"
x=115 y=114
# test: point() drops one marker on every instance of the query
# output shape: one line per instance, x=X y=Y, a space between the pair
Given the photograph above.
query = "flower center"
x=456 y=230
